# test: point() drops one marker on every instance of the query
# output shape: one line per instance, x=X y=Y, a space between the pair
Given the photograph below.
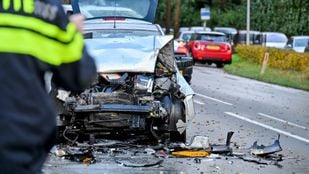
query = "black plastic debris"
x=265 y=160
x=261 y=150
x=138 y=161
x=223 y=148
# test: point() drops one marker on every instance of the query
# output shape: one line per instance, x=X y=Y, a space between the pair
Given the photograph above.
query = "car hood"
x=131 y=54
x=133 y=9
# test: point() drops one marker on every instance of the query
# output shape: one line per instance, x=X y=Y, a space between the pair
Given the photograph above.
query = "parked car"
x=230 y=33
x=184 y=29
x=297 y=43
x=271 y=39
x=241 y=37
x=307 y=49
x=210 y=47
x=199 y=28
x=180 y=41
x=184 y=35
x=139 y=89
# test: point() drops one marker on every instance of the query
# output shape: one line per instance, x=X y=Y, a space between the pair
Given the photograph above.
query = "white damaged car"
x=138 y=90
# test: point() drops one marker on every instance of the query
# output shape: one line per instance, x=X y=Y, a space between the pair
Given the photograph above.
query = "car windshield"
x=276 y=38
x=186 y=36
x=120 y=33
x=213 y=37
x=301 y=42
x=119 y=8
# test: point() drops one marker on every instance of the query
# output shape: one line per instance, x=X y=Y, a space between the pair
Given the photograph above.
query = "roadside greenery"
x=278 y=58
x=287 y=16
x=290 y=78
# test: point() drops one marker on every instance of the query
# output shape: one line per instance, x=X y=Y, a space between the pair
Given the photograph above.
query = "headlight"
x=143 y=84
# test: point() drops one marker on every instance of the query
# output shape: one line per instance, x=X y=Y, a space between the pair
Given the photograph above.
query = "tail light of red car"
x=199 y=46
x=227 y=48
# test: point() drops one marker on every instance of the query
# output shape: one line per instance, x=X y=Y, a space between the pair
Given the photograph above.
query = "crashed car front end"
x=138 y=90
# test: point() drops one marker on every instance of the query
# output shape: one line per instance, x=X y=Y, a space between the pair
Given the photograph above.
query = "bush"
x=278 y=58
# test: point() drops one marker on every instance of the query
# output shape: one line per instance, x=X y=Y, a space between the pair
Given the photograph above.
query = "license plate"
x=212 y=47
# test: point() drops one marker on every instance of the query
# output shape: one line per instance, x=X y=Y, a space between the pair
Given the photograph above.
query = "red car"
x=210 y=47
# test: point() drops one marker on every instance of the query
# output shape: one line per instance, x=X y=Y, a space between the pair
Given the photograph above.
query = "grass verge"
x=294 y=79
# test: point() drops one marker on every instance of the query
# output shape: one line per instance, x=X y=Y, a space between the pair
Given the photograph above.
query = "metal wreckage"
x=138 y=90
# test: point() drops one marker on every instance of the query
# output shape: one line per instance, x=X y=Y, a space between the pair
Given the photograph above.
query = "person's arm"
x=77 y=70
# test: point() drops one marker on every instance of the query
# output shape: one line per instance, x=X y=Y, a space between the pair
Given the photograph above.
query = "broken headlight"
x=143 y=84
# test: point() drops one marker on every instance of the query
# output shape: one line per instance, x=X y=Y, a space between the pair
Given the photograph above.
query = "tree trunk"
x=176 y=17
x=168 y=17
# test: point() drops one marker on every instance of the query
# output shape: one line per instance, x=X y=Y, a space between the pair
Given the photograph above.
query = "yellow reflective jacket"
x=35 y=37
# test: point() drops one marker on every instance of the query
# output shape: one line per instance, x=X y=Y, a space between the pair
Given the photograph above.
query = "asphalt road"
x=255 y=111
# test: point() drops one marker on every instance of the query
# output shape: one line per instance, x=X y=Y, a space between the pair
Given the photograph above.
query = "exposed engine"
x=147 y=103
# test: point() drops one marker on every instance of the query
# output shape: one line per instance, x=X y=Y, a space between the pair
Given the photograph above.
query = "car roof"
x=270 y=32
x=250 y=31
x=183 y=32
x=210 y=33
x=230 y=30
x=300 y=37
x=199 y=28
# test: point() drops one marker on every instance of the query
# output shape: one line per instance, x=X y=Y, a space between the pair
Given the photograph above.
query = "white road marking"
x=283 y=121
x=268 y=127
x=198 y=102
x=214 y=99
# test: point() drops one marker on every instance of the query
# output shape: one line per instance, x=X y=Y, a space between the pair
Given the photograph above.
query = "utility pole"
x=168 y=16
x=176 y=17
x=248 y=23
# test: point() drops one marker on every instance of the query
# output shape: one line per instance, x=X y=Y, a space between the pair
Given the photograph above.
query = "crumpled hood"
x=131 y=54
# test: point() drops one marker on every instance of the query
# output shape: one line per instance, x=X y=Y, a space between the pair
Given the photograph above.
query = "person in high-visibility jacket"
x=36 y=37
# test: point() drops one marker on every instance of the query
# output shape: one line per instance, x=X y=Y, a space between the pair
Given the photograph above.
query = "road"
x=255 y=111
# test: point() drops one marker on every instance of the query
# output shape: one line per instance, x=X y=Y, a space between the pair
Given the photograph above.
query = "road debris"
x=191 y=153
x=198 y=142
x=223 y=148
x=141 y=153
x=265 y=150
x=138 y=161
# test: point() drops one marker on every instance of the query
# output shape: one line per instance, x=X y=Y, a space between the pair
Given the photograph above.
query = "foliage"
x=287 y=16
x=278 y=58
x=242 y=67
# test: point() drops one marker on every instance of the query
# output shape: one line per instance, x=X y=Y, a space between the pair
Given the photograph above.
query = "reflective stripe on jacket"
x=35 y=37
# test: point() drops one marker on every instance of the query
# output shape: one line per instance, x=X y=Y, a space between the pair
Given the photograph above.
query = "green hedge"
x=278 y=58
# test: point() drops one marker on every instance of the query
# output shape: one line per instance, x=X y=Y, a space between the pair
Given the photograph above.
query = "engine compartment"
x=126 y=103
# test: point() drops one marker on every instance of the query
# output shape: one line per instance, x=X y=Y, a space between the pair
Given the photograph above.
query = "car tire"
x=219 y=65
x=178 y=112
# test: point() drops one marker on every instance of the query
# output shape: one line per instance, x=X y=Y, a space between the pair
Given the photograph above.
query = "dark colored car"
x=241 y=37
x=230 y=33
x=210 y=47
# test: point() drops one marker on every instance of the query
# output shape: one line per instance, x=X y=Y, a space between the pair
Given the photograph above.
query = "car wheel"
x=219 y=65
x=188 y=79
x=177 y=113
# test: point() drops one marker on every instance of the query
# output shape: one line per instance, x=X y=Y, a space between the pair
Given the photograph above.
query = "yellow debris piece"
x=191 y=153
